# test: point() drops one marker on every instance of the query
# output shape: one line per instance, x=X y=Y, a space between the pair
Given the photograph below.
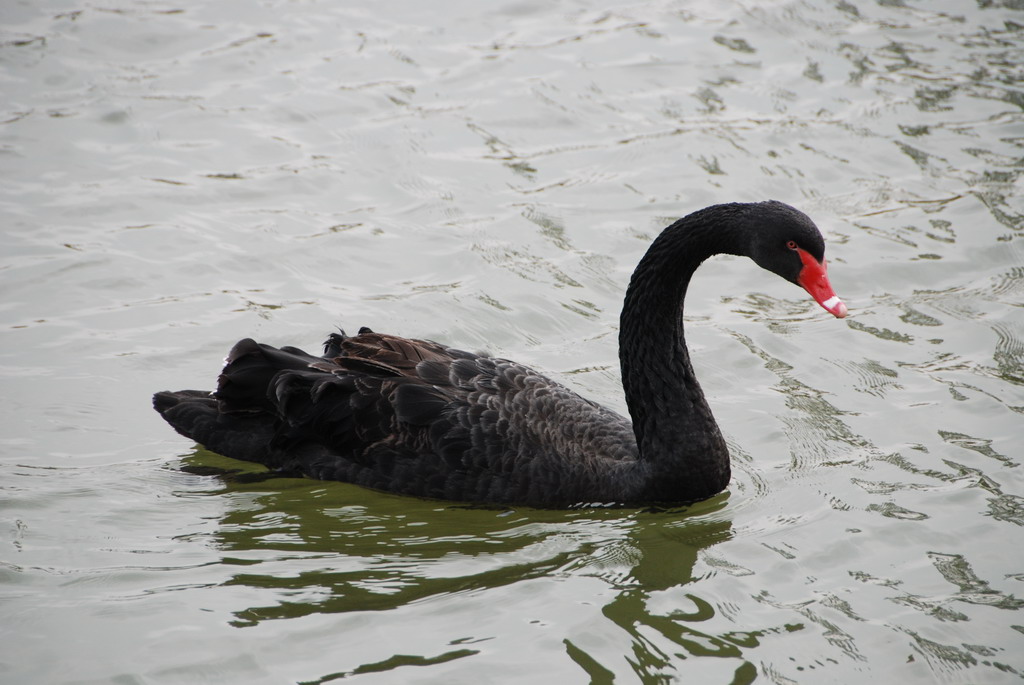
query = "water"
x=177 y=176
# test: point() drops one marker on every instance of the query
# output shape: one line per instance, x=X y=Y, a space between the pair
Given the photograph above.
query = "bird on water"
x=418 y=418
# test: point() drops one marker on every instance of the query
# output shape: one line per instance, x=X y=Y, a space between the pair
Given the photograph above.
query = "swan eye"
x=791 y=244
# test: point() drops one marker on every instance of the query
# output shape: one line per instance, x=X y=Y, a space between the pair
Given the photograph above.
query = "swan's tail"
x=195 y=415
x=239 y=420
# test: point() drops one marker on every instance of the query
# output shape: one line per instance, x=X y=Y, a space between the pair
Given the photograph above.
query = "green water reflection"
x=292 y=541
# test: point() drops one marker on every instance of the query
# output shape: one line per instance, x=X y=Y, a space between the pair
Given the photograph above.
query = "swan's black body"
x=418 y=418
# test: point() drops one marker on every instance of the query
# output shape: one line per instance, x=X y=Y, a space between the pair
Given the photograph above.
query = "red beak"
x=814 y=279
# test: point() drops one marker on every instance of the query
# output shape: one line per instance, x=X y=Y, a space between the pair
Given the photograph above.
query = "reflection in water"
x=380 y=552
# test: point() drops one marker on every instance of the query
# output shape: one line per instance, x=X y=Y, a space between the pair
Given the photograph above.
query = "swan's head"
x=785 y=241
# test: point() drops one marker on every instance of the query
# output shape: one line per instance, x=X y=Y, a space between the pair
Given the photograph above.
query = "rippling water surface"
x=178 y=175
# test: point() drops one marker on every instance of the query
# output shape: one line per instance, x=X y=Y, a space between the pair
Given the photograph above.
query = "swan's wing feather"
x=418 y=404
x=399 y=353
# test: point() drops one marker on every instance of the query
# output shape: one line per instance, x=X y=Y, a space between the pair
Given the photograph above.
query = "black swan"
x=415 y=417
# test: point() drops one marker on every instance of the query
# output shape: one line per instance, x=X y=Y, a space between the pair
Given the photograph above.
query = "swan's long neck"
x=682 y=452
